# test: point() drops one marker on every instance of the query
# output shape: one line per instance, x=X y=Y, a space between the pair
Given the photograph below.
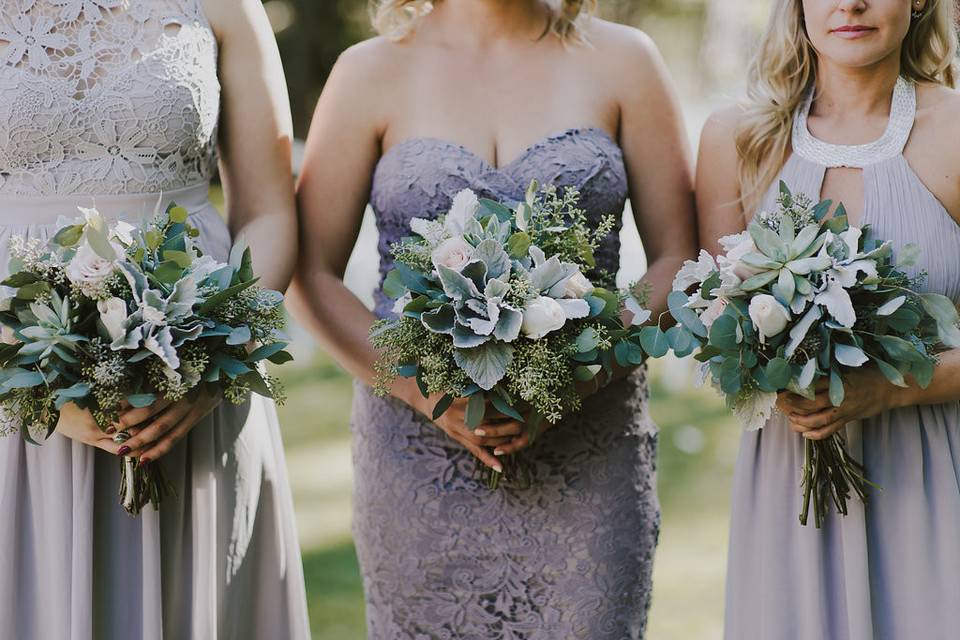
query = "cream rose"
x=89 y=269
x=113 y=315
x=577 y=286
x=541 y=316
x=453 y=253
x=769 y=316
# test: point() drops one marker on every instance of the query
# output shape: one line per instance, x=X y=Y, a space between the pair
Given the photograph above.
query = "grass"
x=698 y=444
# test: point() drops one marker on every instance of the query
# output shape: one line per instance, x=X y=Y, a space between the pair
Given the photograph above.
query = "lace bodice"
x=419 y=177
x=106 y=96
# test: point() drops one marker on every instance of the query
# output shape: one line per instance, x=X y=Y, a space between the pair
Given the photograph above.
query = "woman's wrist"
x=406 y=390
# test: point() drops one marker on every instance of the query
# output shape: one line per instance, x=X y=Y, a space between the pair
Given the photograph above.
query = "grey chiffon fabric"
x=891 y=571
x=118 y=109
x=442 y=556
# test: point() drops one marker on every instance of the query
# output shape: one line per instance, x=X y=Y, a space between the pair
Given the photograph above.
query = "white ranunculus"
x=541 y=316
x=453 y=253
x=713 y=312
x=577 y=286
x=89 y=269
x=465 y=205
x=113 y=315
x=7 y=336
x=769 y=316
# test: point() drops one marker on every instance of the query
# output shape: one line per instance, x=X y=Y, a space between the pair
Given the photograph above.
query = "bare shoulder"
x=718 y=140
x=622 y=48
x=375 y=59
x=938 y=110
x=933 y=150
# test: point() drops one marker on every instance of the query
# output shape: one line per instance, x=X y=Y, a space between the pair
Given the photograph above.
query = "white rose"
x=113 y=315
x=577 y=286
x=541 y=316
x=453 y=253
x=88 y=268
x=769 y=316
x=6 y=335
x=712 y=312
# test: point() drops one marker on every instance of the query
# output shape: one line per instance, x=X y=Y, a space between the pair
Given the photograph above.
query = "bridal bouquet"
x=798 y=299
x=493 y=304
x=114 y=316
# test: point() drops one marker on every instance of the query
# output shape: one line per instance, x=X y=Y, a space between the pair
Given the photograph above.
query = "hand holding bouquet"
x=494 y=305
x=112 y=316
x=798 y=299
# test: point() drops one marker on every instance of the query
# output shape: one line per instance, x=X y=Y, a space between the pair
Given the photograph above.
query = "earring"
x=917 y=13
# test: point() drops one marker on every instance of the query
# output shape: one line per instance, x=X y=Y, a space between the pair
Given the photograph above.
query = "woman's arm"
x=655 y=148
x=719 y=209
x=342 y=150
x=255 y=143
x=256 y=139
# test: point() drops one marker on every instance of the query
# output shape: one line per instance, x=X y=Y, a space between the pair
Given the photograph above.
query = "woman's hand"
x=161 y=425
x=78 y=424
x=495 y=431
x=866 y=393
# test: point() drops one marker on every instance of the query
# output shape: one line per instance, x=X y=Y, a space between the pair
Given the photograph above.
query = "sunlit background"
x=706 y=44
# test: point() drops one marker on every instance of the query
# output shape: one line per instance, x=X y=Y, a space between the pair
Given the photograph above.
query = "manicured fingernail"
x=111 y=430
x=498 y=469
x=480 y=432
x=498 y=452
x=144 y=462
x=124 y=450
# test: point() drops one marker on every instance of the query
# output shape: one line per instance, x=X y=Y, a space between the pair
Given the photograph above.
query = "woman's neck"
x=481 y=23
x=854 y=93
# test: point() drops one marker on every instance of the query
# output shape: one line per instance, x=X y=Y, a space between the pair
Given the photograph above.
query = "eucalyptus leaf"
x=778 y=373
x=442 y=405
x=836 y=388
x=654 y=342
x=890 y=372
x=889 y=307
x=476 y=408
x=850 y=356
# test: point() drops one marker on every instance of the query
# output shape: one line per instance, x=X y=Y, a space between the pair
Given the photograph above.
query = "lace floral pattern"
x=106 y=97
x=442 y=557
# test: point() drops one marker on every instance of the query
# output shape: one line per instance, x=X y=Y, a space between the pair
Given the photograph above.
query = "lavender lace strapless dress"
x=442 y=556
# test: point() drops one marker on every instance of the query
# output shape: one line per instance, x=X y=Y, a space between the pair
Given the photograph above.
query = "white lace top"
x=106 y=97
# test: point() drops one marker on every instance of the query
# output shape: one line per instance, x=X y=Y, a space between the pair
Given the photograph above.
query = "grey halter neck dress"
x=890 y=571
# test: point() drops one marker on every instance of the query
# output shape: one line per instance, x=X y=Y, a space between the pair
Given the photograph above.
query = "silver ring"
x=121 y=437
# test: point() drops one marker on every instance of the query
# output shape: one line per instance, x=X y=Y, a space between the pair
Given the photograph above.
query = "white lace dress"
x=115 y=103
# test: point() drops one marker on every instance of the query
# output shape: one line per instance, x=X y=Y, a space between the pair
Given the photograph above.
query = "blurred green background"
x=706 y=44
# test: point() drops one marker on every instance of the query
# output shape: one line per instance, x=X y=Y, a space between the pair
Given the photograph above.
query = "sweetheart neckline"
x=505 y=167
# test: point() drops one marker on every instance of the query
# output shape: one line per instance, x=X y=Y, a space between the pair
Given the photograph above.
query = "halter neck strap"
x=903 y=110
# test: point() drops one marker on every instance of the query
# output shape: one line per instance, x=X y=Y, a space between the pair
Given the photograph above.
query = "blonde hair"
x=395 y=19
x=784 y=68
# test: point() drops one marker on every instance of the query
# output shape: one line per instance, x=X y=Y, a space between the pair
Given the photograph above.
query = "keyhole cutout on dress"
x=172 y=29
x=845 y=185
